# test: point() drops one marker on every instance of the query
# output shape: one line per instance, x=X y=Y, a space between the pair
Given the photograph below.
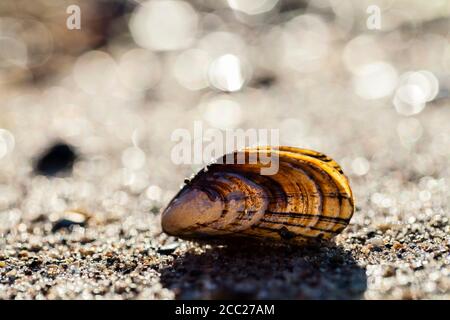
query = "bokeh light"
x=222 y=112
x=7 y=142
x=164 y=25
x=252 y=7
x=360 y=166
x=302 y=51
x=191 y=69
x=130 y=69
x=225 y=73
x=375 y=80
x=95 y=72
x=133 y=158
x=409 y=99
x=410 y=131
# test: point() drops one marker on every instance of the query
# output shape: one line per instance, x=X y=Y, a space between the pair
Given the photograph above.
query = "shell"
x=309 y=198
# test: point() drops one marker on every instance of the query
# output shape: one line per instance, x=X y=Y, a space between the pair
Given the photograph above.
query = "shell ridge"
x=336 y=195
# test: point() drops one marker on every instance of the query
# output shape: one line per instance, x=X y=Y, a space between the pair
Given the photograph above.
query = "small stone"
x=397 y=245
x=35 y=264
x=11 y=273
x=384 y=227
x=86 y=240
x=57 y=159
x=52 y=269
x=376 y=241
x=155 y=210
x=86 y=252
x=64 y=224
x=417 y=266
x=40 y=218
x=23 y=254
x=70 y=219
x=120 y=287
x=366 y=249
x=168 y=248
x=35 y=248
x=388 y=271
x=2 y=264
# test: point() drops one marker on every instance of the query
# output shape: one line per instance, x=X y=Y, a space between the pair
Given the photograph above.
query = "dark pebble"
x=265 y=81
x=66 y=224
x=35 y=264
x=371 y=234
x=57 y=159
x=40 y=218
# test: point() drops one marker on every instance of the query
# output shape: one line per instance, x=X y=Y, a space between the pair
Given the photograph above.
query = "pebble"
x=11 y=273
x=389 y=271
x=367 y=249
x=57 y=159
x=65 y=224
x=168 y=248
x=23 y=254
x=52 y=269
x=70 y=219
x=86 y=252
x=384 y=227
x=376 y=241
x=397 y=245
x=120 y=287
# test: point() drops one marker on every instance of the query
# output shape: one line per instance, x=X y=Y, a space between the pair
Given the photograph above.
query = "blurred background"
x=86 y=115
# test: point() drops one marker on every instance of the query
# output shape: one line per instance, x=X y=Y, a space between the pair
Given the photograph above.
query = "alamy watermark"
x=73 y=21
x=204 y=146
x=373 y=22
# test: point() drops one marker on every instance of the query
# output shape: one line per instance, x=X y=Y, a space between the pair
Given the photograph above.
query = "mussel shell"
x=308 y=198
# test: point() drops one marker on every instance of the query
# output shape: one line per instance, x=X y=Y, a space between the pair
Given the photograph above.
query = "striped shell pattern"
x=308 y=198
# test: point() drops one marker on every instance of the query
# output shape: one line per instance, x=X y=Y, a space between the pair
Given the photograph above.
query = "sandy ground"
x=397 y=245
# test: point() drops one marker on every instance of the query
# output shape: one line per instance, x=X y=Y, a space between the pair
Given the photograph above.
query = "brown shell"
x=308 y=198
